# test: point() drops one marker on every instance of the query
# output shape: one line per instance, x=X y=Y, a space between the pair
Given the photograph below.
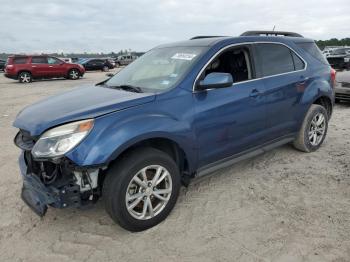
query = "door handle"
x=50 y=66
x=254 y=93
x=33 y=66
x=303 y=80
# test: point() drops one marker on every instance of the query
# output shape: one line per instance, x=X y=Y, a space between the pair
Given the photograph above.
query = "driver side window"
x=53 y=61
x=235 y=61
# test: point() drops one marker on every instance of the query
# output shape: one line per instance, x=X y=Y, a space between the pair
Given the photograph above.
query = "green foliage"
x=333 y=42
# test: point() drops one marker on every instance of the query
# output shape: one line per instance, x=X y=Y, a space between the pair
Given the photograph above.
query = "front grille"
x=24 y=141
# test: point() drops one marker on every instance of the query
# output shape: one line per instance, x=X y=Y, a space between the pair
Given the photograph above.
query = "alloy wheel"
x=148 y=192
x=317 y=129
x=25 y=78
x=74 y=74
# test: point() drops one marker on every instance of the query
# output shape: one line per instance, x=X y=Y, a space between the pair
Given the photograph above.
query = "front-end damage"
x=55 y=182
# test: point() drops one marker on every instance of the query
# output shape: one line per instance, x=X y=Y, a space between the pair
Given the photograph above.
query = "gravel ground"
x=280 y=206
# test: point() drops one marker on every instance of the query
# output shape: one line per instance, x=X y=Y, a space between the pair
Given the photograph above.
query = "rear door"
x=39 y=66
x=284 y=76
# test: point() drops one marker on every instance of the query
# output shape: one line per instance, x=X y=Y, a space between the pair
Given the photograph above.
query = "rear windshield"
x=313 y=50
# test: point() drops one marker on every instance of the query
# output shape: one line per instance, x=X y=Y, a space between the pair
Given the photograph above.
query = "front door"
x=230 y=120
x=56 y=68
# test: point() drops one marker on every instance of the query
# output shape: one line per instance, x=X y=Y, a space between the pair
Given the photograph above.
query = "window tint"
x=275 y=59
x=312 y=49
x=53 y=61
x=19 y=60
x=298 y=63
x=39 y=60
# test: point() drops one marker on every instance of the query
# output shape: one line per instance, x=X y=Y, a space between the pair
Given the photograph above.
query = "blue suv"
x=180 y=111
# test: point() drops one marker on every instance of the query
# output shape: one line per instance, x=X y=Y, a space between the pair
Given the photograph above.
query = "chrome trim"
x=250 y=80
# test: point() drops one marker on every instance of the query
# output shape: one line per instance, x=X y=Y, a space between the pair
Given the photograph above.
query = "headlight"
x=59 y=140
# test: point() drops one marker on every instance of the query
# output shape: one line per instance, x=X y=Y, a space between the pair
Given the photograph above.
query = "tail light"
x=333 y=75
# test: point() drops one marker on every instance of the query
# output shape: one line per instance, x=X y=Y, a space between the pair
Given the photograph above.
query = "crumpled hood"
x=80 y=103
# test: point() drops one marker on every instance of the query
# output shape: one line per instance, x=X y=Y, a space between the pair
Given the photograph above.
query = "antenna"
x=273 y=29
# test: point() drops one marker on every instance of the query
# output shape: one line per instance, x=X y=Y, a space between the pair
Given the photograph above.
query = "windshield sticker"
x=173 y=75
x=184 y=56
x=165 y=82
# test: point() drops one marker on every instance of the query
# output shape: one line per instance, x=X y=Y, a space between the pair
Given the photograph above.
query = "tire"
x=105 y=68
x=119 y=182
x=25 y=77
x=306 y=140
x=74 y=74
x=117 y=65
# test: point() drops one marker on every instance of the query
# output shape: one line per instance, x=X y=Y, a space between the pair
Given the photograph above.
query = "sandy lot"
x=281 y=206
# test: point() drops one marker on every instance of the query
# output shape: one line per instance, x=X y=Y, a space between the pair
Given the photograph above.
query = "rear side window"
x=298 y=63
x=39 y=60
x=313 y=50
x=19 y=60
x=275 y=59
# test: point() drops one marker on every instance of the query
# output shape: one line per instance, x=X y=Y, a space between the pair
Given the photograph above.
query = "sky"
x=112 y=25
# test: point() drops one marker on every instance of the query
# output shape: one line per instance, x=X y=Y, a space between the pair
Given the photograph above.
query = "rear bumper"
x=11 y=76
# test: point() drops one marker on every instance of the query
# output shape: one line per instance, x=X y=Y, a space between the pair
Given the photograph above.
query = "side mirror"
x=110 y=75
x=215 y=80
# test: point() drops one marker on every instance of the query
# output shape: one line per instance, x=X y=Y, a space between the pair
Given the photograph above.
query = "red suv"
x=25 y=68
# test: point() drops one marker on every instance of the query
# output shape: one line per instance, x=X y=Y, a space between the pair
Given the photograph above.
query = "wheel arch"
x=326 y=102
x=73 y=68
x=24 y=70
x=162 y=143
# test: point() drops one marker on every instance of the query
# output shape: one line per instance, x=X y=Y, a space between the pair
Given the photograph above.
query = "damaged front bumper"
x=58 y=184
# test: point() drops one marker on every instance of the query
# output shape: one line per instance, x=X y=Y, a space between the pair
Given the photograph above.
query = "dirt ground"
x=281 y=206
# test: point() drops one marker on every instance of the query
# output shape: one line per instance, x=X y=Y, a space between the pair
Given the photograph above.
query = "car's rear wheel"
x=141 y=189
x=313 y=130
x=73 y=74
x=25 y=77
x=105 y=68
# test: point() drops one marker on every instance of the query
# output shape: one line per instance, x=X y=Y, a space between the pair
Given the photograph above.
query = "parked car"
x=66 y=59
x=339 y=58
x=25 y=68
x=97 y=64
x=112 y=61
x=124 y=60
x=326 y=53
x=178 y=112
x=2 y=65
x=342 y=88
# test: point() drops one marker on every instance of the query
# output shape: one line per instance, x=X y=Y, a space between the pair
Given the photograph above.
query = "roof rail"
x=271 y=33
x=205 y=36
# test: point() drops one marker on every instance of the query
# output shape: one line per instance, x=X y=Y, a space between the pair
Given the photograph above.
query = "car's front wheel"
x=105 y=68
x=141 y=189
x=73 y=74
x=25 y=77
x=313 y=130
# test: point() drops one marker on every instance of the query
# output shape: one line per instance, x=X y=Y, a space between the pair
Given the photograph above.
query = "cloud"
x=82 y=26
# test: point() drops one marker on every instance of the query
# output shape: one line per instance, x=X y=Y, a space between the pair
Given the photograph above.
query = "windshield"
x=157 y=70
